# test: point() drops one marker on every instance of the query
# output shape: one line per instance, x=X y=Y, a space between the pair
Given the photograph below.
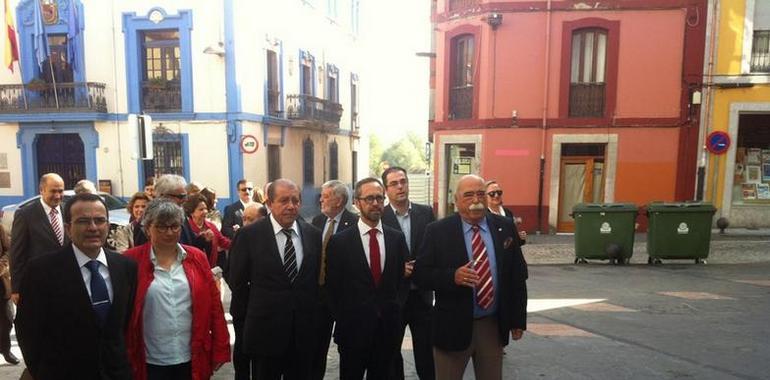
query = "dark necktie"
x=374 y=256
x=100 y=299
x=289 y=257
x=485 y=290
x=56 y=226
x=327 y=236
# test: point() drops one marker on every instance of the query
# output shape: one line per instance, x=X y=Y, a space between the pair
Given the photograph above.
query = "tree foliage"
x=408 y=153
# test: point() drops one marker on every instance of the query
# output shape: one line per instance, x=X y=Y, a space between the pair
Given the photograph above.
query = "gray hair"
x=85 y=186
x=168 y=183
x=339 y=189
x=162 y=211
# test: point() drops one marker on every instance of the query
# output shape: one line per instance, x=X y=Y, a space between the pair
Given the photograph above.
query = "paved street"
x=597 y=321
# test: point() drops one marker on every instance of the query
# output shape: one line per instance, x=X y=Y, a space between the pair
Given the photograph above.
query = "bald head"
x=51 y=189
x=252 y=213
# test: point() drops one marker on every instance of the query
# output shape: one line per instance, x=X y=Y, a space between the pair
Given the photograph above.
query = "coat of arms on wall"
x=50 y=10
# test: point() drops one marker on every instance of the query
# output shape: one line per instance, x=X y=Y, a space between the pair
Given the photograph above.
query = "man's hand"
x=15 y=298
x=408 y=268
x=516 y=334
x=466 y=276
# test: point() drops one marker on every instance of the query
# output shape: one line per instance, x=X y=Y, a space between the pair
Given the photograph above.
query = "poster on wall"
x=753 y=156
x=766 y=172
x=749 y=190
x=763 y=191
x=753 y=174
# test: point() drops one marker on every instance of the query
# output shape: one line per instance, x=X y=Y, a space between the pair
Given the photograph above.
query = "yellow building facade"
x=736 y=101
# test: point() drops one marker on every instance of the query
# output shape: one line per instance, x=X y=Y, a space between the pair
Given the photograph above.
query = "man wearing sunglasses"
x=495 y=206
x=233 y=219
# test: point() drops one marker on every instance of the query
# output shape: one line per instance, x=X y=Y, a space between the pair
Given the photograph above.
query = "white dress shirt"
x=83 y=259
x=47 y=210
x=336 y=219
x=280 y=240
x=363 y=229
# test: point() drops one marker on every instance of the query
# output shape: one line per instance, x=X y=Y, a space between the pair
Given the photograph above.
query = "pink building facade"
x=564 y=102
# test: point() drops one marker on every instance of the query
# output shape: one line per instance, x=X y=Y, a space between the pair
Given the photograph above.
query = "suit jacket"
x=233 y=215
x=272 y=307
x=59 y=333
x=443 y=252
x=359 y=307
x=420 y=216
x=346 y=220
x=31 y=236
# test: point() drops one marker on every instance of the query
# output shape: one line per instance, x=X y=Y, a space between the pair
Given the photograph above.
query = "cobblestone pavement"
x=598 y=321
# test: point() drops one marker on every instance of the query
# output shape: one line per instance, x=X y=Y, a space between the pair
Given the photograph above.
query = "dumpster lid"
x=605 y=207
x=680 y=207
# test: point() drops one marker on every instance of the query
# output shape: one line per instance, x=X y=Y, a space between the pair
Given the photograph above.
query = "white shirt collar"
x=82 y=258
x=364 y=228
x=48 y=208
x=277 y=227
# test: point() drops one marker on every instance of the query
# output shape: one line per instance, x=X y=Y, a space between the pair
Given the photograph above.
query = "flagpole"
x=53 y=79
x=23 y=87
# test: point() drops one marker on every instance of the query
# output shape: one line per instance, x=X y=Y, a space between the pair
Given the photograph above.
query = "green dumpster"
x=679 y=231
x=604 y=231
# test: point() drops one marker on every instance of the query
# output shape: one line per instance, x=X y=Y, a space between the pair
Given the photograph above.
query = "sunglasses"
x=245 y=189
x=495 y=193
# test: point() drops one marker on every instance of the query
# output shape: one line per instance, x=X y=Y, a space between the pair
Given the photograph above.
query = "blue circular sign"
x=718 y=142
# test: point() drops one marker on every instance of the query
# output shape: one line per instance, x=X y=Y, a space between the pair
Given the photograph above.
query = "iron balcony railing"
x=461 y=102
x=586 y=100
x=161 y=97
x=306 y=107
x=760 y=52
x=43 y=97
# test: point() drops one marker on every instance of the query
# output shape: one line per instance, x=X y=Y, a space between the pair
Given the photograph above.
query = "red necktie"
x=374 y=256
x=485 y=291
x=56 y=226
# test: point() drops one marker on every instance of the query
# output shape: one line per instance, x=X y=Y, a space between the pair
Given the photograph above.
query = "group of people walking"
x=154 y=310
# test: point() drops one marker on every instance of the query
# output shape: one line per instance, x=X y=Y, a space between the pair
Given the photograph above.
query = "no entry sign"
x=718 y=142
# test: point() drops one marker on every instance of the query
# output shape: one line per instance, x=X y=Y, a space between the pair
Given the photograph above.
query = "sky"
x=394 y=88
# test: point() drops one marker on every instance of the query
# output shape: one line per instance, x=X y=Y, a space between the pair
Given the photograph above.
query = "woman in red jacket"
x=177 y=329
x=207 y=236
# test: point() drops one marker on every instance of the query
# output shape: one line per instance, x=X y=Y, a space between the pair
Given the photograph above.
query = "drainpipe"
x=546 y=80
x=708 y=103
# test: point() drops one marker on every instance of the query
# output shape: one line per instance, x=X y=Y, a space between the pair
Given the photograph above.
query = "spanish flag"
x=11 y=46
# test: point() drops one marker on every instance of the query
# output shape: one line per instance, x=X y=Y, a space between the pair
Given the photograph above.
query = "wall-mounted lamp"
x=218 y=49
x=494 y=20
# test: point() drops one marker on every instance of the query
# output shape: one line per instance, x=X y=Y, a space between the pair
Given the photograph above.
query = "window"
x=62 y=69
x=273 y=162
x=332 y=86
x=587 y=73
x=354 y=103
x=751 y=179
x=760 y=52
x=273 y=89
x=461 y=81
x=306 y=75
x=354 y=13
x=334 y=172
x=308 y=170
x=161 y=90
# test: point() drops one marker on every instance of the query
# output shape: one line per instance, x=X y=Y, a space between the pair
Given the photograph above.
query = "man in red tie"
x=474 y=263
x=37 y=229
x=365 y=272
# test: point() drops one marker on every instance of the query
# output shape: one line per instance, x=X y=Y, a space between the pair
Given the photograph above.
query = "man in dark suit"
x=37 y=229
x=75 y=303
x=474 y=263
x=274 y=271
x=334 y=218
x=233 y=219
x=495 y=206
x=411 y=219
x=364 y=276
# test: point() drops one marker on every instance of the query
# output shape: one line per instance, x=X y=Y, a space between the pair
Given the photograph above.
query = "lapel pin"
x=499 y=229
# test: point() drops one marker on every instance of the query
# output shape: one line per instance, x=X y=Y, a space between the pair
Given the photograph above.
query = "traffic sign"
x=718 y=142
x=249 y=144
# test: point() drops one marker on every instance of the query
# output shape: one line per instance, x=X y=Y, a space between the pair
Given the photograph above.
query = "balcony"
x=161 y=96
x=586 y=100
x=760 y=52
x=306 y=109
x=43 y=98
x=461 y=102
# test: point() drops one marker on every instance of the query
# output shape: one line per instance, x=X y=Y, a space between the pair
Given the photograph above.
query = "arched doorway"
x=61 y=153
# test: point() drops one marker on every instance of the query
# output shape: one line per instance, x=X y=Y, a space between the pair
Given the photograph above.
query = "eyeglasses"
x=84 y=222
x=173 y=228
x=372 y=198
x=246 y=189
x=474 y=194
x=402 y=182
x=495 y=193
x=177 y=196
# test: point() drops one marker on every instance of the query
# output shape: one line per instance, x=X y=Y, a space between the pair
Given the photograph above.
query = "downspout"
x=706 y=114
x=115 y=103
x=544 y=124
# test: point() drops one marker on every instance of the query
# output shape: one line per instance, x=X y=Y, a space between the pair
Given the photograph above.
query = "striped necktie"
x=289 y=257
x=485 y=291
x=56 y=226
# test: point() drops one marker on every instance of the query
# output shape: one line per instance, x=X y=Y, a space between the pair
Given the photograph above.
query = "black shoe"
x=10 y=358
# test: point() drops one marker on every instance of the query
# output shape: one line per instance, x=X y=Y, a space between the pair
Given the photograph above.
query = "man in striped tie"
x=473 y=261
x=274 y=265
